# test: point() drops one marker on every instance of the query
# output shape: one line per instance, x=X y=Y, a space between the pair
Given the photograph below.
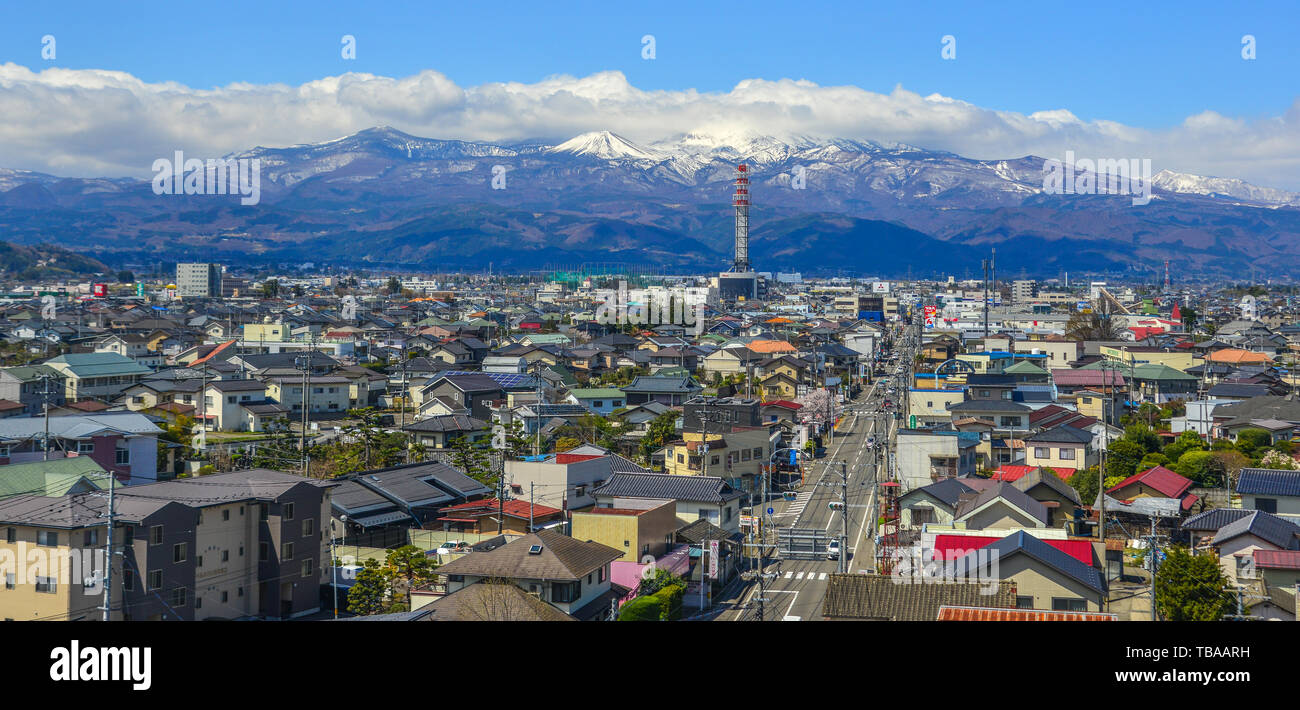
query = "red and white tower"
x=741 y=202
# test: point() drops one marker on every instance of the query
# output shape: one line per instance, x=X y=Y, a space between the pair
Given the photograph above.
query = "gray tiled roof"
x=880 y=597
x=561 y=558
x=1269 y=482
x=1022 y=542
x=1011 y=495
x=708 y=489
x=1265 y=526
x=1214 y=518
x=948 y=491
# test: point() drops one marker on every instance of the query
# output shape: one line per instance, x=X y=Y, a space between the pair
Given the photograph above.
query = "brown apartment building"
x=245 y=544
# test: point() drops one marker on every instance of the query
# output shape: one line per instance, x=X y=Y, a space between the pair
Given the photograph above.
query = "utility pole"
x=844 y=517
x=531 y=498
x=304 y=363
x=402 y=401
x=501 y=499
x=108 y=557
x=45 y=400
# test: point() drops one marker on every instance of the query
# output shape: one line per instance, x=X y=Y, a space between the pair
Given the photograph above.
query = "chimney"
x=741 y=202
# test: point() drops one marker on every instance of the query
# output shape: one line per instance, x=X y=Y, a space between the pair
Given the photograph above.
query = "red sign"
x=99 y=290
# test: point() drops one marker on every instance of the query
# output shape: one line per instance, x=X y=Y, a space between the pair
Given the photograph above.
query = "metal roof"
x=1269 y=482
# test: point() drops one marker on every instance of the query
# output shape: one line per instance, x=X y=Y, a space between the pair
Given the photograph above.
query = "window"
x=178 y=597
x=225 y=514
x=1042 y=452
x=308 y=527
x=1266 y=505
x=459 y=578
x=627 y=543
x=241 y=591
x=11 y=535
x=922 y=515
x=1024 y=602
x=306 y=568
x=265 y=511
x=47 y=538
x=601 y=575
x=1068 y=604
x=85 y=447
x=231 y=399
x=727 y=510
x=179 y=553
x=565 y=592
x=288 y=511
x=286 y=551
x=709 y=514
x=10 y=581
x=155 y=579
x=758 y=452
x=156 y=535
x=46 y=585
x=1067 y=454
x=225 y=597
x=122 y=456
x=91 y=538
x=1010 y=421
x=263 y=551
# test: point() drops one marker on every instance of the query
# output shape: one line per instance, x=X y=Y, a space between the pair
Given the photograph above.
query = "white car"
x=833 y=550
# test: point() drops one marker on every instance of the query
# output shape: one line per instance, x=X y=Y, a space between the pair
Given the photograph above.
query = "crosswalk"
x=796 y=507
x=819 y=576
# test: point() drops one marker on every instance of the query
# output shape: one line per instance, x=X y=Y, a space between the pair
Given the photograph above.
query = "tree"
x=1191 y=587
x=1278 y=460
x=660 y=431
x=1091 y=326
x=1122 y=458
x=659 y=578
x=473 y=459
x=1086 y=484
x=1152 y=460
x=1186 y=441
x=270 y=288
x=1144 y=436
x=125 y=277
x=1250 y=441
x=566 y=443
x=1203 y=467
x=517 y=443
x=411 y=568
x=394 y=285
x=372 y=592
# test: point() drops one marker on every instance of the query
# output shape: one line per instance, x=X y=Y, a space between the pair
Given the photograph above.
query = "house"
x=27 y=386
x=101 y=376
x=1236 y=543
x=672 y=391
x=470 y=394
x=1044 y=577
x=1272 y=491
x=564 y=480
x=708 y=498
x=328 y=395
x=490 y=515
x=1058 y=447
x=490 y=600
x=124 y=443
x=225 y=402
x=570 y=574
x=1056 y=495
x=381 y=504
x=875 y=597
x=53 y=479
x=598 y=400
x=438 y=432
x=935 y=503
x=1000 y=506
x=1155 y=482
x=638 y=532
x=926 y=455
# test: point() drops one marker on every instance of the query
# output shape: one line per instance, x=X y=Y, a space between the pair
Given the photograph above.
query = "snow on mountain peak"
x=606 y=146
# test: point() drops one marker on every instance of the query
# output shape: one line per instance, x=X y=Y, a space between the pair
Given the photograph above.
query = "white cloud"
x=107 y=123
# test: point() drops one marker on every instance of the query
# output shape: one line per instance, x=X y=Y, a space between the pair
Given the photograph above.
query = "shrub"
x=641 y=609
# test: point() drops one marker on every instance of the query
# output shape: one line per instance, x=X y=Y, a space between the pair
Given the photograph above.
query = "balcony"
x=938 y=473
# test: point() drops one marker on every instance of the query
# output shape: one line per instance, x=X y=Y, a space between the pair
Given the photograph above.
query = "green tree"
x=1086 y=484
x=1203 y=467
x=372 y=591
x=1186 y=441
x=473 y=459
x=518 y=443
x=1143 y=435
x=1122 y=458
x=394 y=285
x=411 y=569
x=659 y=579
x=1152 y=460
x=270 y=288
x=125 y=277
x=662 y=429
x=1250 y=441
x=1191 y=587
x=640 y=609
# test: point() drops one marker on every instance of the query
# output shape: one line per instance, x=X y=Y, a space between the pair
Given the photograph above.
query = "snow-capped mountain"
x=1226 y=188
x=385 y=195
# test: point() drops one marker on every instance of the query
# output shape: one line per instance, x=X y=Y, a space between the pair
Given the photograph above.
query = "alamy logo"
x=1085 y=177
x=72 y=662
x=652 y=307
x=349 y=308
x=223 y=176
x=49 y=307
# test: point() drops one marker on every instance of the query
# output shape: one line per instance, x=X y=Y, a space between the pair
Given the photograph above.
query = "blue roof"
x=1269 y=482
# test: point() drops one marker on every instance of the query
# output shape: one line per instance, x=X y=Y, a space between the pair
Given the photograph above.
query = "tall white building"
x=198 y=280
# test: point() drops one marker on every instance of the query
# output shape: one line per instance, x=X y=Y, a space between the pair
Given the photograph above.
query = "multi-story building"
x=99 y=376
x=246 y=544
x=27 y=386
x=198 y=280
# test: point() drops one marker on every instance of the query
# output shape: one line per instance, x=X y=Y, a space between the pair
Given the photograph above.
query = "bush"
x=670 y=602
x=641 y=609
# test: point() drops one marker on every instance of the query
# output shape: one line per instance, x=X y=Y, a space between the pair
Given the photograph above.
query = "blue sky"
x=1143 y=64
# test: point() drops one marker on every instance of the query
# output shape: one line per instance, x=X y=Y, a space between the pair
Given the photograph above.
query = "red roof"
x=1161 y=479
x=1278 y=559
x=487 y=506
x=950 y=547
x=785 y=403
x=1008 y=472
x=213 y=352
x=575 y=458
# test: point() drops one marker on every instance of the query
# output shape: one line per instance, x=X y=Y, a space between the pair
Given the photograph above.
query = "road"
x=794 y=589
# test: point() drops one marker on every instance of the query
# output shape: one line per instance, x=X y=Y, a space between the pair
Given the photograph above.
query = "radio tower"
x=741 y=202
x=1166 y=275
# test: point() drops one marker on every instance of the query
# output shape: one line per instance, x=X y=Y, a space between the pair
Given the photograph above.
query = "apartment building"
x=246 y=544
x=198 y=280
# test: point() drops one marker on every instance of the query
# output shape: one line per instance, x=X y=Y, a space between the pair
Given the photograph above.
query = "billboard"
x=713 y=558
x=880 y=287
x=99 y=290
x=930 y=316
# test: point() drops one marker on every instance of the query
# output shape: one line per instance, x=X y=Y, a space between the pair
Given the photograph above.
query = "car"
x=833 y=550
